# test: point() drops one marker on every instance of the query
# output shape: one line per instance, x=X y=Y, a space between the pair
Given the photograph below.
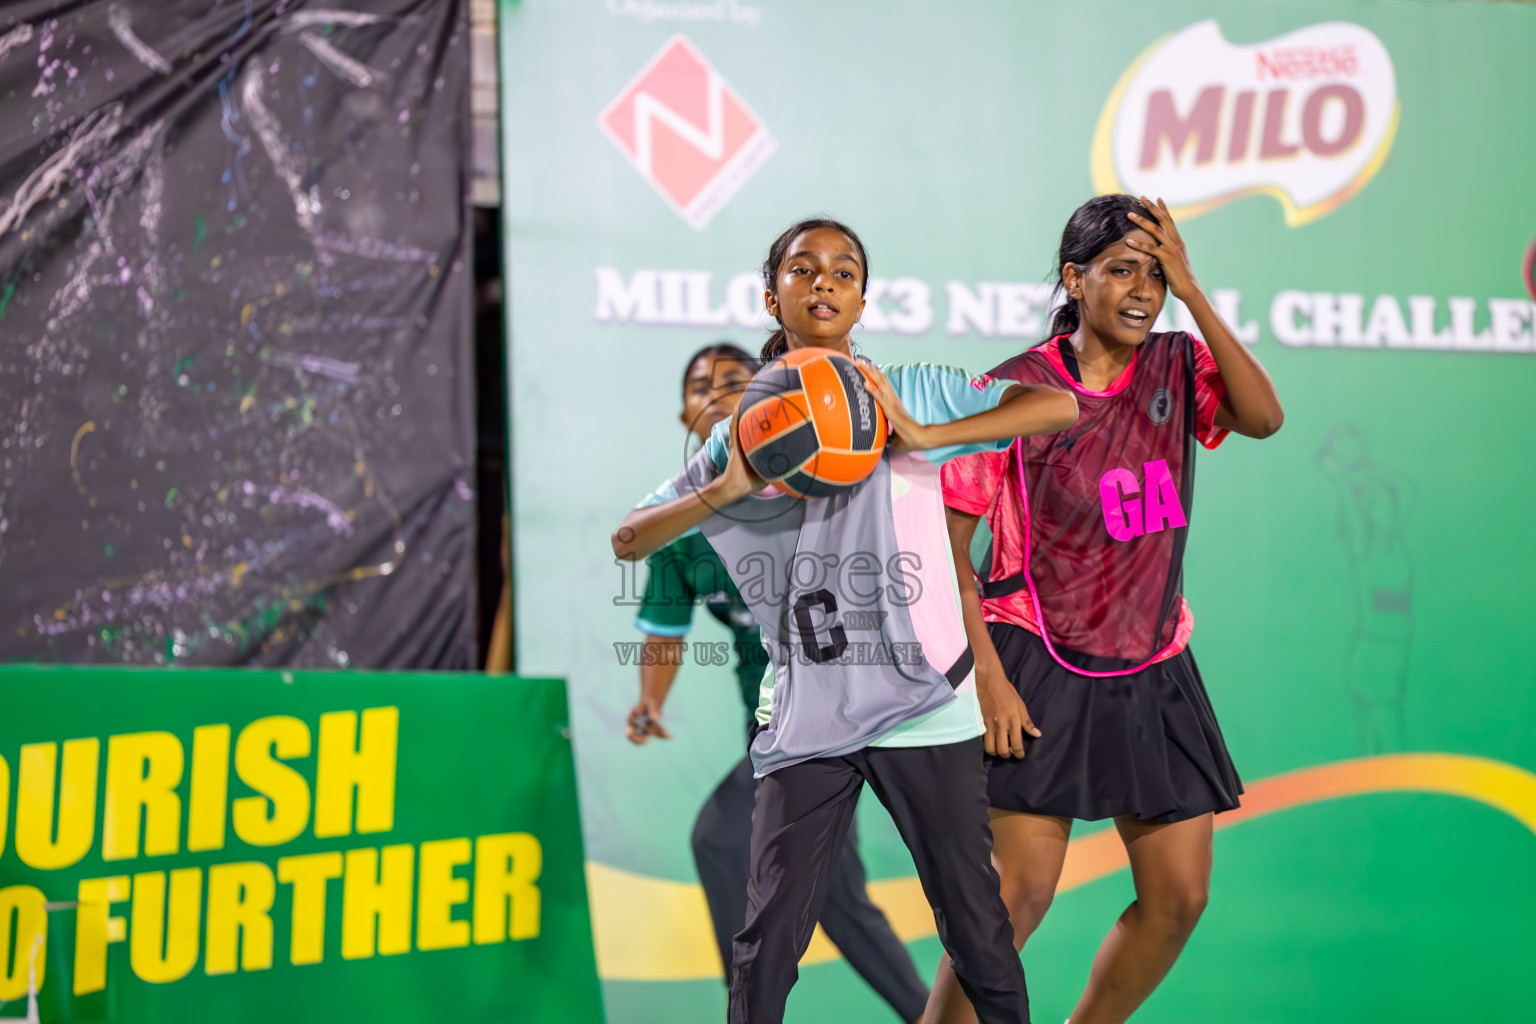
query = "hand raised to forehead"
x=1168 y=248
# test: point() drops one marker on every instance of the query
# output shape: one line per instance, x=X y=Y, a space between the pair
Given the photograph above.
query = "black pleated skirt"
x=1145 y=744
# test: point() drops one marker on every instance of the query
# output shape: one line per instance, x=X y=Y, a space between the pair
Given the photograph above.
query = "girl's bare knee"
x=1027 y=906
x=1176 y=908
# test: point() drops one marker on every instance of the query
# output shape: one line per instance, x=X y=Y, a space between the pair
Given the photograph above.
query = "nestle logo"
x=687 y=132
x=1307 y=118
x=1300 y=62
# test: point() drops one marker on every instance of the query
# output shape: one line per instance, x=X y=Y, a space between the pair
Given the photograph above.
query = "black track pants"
x=938 y=798
x=722 y=849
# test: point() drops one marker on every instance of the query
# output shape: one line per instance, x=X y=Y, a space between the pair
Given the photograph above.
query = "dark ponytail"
x=776 y=345
x=778 y=342
x=1093 y=227
x=1067 y=319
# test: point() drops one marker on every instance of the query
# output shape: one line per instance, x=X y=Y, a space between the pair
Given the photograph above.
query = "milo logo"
x=1307 y=117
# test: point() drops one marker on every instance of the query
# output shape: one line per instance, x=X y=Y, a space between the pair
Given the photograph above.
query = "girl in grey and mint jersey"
x=847 y=702
x=687 y=572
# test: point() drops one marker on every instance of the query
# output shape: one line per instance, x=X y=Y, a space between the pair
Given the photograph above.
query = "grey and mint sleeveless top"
x=855 y=592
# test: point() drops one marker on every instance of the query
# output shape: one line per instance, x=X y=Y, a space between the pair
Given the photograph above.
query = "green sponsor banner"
x=298 y=846
x=1353 y=182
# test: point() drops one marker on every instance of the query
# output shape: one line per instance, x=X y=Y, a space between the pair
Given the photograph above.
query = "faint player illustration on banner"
x=1375 y=503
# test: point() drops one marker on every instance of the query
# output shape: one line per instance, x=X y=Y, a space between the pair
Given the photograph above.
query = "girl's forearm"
x=658 y=672
x=1252 y=407
x=646 y=530
x=962 y=527
x=1026 y=409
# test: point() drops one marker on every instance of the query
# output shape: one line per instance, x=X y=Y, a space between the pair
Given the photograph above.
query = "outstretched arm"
x=1251 y=406
x=1002 y=709
x=1023 y=410
x=645 y=530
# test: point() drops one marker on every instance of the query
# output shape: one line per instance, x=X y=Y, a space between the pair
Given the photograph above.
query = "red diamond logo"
x=687 y=132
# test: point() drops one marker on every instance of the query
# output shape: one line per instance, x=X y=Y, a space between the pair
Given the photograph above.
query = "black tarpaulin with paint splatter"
x=235 y=413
